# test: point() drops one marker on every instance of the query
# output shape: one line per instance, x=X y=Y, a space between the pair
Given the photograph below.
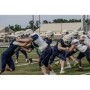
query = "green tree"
x=16 y=27
x=32 y=25
x=11 y=27
x=45 y=21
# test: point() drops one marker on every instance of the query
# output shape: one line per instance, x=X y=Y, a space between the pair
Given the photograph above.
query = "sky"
x=23 y=20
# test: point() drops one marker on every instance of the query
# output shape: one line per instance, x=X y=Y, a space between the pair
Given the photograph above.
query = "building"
x=58 y=28
x=4 y=32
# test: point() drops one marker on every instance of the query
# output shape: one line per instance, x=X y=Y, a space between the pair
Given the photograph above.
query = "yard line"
x=30 y=53
x=25 y=64
x=28 y=63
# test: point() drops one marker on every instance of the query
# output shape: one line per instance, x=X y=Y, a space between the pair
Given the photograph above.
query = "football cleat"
x=16 y=61
x=30 y=60
x=52 y=73
x=57 y=63
x=62 y=72
x=67 y=67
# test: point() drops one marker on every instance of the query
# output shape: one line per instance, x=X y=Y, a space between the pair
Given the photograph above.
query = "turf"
x=33 y=69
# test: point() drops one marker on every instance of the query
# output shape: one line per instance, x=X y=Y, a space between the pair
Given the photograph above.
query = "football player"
x=43 y=48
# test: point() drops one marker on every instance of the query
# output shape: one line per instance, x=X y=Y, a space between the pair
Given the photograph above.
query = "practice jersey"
x=86 y=40
x=39 y=42
x=11 y=49
x=56 y=46
x=80 y=47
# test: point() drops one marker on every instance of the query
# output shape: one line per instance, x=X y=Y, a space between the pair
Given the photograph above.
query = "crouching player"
x=85 y=40
x=6 y=56
x=60 y=50
x=67 y=40
x=82 y=48
x=42 y=46
x=48 y=39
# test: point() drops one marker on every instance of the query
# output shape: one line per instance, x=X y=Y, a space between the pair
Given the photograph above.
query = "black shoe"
x=89 y=62
x=1 y=71
x=30 y=60
x=79 y=69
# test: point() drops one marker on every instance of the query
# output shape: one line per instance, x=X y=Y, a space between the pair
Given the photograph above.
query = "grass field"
x=33 y=69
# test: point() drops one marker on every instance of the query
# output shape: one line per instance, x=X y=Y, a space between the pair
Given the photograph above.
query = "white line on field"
x=25 y=64
x=28 y=63
x=31 y=63
x=30 y=53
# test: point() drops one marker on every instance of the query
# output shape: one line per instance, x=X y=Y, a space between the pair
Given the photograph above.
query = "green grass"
x=33 y=69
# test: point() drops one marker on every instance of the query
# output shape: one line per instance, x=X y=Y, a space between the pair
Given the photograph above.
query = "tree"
x=37 y=24
x=11 y=27
x=16 y=27
x=45 y=21
x=32 y=25
x=65 y=20
x=60 y=21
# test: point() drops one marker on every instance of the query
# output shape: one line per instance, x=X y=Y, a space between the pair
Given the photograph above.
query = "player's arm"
x=61 y=48
x=26 y=40
x=27 y=49
x=19 y=43
x=72 y=48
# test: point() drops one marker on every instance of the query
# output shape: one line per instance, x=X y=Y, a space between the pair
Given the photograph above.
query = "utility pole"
x=87 y=23
x=61 y=27
x=39 y=24
x=83 y=23
x=33 y=21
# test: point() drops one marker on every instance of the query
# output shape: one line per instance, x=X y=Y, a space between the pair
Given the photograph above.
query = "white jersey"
x=39 y=41
x=80 y=47
x=86 y=40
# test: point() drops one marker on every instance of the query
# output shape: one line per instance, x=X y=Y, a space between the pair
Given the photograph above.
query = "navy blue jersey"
x=10 y=50
x=48 y=41
x=56 y=46
x=34 y=37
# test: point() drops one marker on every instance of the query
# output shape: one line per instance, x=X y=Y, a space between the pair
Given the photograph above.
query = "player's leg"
x=3 y=62
x=87 y=54
x=17 y=55
x=68 y=63
x=0 y=64
x=62 y=57
x=52 y=57
x=74 y=60
x=57 y=63
x=62 y=62
x=44 y=59
x=51 y=60
x=25 y=54
x=41 y=64
x=79 y=57
x=11 y=64
x=71 y=57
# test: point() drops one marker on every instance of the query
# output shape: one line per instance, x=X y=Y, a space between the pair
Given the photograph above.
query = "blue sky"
x=23 y=20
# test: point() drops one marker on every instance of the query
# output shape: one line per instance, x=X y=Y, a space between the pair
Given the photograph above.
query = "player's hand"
x=67 y=49
x=17 y=39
